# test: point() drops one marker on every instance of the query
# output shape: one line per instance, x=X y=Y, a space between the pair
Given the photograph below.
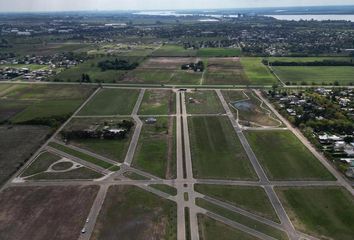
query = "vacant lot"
x=174 y=51
x=225 y=71
x=327 y=213
x=156 y=151
x=219 y=52
x=284 y=157
x=253 y=199
x=203 y=102
x=209 y=229
x=26 y=102
x=17 y=144
x=256 y=72
x=216 y=150
x=131 y=213
x=111 y=102
x=250 y=110
x=316 y=75
x=41 y=213
x=173 y=63
x=158 y=102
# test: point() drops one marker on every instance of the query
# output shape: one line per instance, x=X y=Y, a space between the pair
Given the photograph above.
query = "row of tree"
x=117 y=64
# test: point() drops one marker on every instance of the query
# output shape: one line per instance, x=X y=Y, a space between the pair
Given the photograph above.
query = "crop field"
x=44 y=212
x=111 y=102
x=250 y=110
x=322 y=75
x=225 y=71
x=288 y=158
x=25 y=102
x=28 y=137
x=216 y=150
x=139 y=215
x=324 y=212
x=158 y=102
x=210 y=229
x=256 y=72
x=203 y=102
x=219 y=52
x=253 y=199
x=114 y=149
x=174 y=51
x=156 y=149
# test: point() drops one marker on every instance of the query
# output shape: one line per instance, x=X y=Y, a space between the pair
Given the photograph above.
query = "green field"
x=219 y=52
x=307 y=59
x=236 y=217
x=158 y=102
x=203 y=102
x=173 y=51
x=217 y=151
x=327 y=213
x=81 y=173
x=41 y=164
x=111 y=102
x=253 y=199
x=256 y=72
x=165 y=188
x=139 y=214
x=156 y=152
x=284 y=157
x=210 y=229
x=344 y=75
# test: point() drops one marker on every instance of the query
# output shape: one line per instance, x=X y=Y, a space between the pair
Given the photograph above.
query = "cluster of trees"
x=196 y=67
x=85 y=78
x=326 y=63
x=117 y=64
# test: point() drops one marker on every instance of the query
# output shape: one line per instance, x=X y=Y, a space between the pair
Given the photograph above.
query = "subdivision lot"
x=250 y=110
x=156 y=150
x=219 y=52
x=114 y=149
x=42 y=213
x=203 y=102
x=343 y=75
x=225 y=71
x=253 y=199
x=131 y=213
x=27 y=102
x=209 y=229
x=256 y=72
x=324 y=212
x=111 y=102
x=216 y=150
x=158 y=102
x=284 y=157
x=174 y=51
x=17 y=144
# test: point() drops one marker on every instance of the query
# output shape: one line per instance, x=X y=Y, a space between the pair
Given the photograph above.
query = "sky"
x=83 y=5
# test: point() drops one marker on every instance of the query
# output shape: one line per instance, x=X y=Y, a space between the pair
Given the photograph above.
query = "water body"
x=313 y=17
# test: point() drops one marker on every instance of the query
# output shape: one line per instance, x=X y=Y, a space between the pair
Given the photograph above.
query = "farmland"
x=173 y=51
x=256 y=72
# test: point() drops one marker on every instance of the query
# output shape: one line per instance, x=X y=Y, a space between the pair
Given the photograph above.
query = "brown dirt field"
x=12 y=157
x=43 y=213
x=166 y=63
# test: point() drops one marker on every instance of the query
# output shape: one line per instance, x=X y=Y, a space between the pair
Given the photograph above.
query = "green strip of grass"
x=41 y=164
x=165 y=188
x=81 y=155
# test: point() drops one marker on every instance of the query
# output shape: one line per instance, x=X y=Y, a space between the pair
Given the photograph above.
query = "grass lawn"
x=78 y=173
x=111 y=102
x=156 y=148
x=209 y=229
x=158 y=102
x=165 y=188
x=139 y=215
x=41 y=164
x=174 y=51
x=257 y=73
x=203 y=102
x=217 y=151
x=284 y=157
x=236 y=217
x=327 y=213
x=249 y=109
x=219 y=52
x=344 y=75
x=253 y=199
x=80 y=155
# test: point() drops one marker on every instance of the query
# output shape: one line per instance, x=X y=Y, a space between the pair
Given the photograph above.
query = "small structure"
x=151 y=120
